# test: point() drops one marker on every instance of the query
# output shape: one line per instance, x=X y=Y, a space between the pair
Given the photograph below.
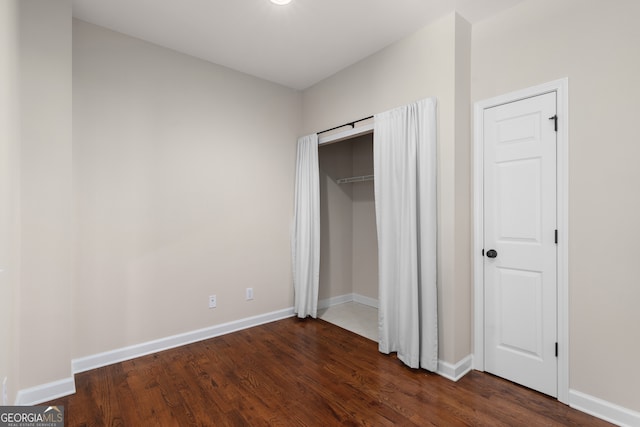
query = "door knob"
x=491 y=253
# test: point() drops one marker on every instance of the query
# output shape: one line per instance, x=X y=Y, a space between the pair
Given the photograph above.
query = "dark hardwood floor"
x=299 y=373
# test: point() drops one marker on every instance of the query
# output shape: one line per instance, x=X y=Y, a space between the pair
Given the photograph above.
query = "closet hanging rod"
x=360 y=178
x=352 y=124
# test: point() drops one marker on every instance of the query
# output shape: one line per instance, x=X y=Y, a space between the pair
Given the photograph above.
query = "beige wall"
x=595 y=44
x=183 y=179
x=422 y=65
x=8 y=189
x=348 y=242
x=183 y=174
x=461 y=300
x=336 y=219
x=44 y=305
x=364 y=243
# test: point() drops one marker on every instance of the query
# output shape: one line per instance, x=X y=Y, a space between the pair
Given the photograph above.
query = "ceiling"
x=296 y=45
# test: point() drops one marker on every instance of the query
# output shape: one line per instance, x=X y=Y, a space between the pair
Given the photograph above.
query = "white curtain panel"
x=405 y=198
x=305 y=236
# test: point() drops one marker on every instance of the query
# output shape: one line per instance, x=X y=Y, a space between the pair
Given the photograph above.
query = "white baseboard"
x=99 y=360
x=457 y=371
x=46 y=392
x=341 y=299
x=604 y=410
x=591 y=405
x=361 y=299
x=64 y=387
x=42 y=393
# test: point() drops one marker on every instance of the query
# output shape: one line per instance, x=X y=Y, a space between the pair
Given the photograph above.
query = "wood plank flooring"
x=299 y=373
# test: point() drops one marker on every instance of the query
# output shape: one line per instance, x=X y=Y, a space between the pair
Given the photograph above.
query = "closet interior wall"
x=348 y=242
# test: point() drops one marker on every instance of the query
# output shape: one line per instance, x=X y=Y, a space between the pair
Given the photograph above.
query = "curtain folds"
x=305 y=236
x=405 y=199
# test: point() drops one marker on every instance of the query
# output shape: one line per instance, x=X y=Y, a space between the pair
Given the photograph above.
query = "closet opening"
x=340 y=216
x=348 y=287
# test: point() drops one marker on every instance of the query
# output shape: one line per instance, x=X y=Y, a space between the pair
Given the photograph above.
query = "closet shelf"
x=351 y=179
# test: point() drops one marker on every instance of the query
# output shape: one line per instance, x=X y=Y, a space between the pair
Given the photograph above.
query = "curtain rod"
x=352 y=124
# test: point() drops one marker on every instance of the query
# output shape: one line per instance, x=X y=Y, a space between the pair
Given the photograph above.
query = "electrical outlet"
x=249 y=294
x=213 y=301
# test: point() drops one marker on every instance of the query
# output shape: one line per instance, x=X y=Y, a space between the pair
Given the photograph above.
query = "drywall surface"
x=44 y=301
x=419 y=66
x=349 y=246
x=365 y=236
x=183 y=175
x=336 y=221
x=460 y=304
x=9 y=185
x=595 y=45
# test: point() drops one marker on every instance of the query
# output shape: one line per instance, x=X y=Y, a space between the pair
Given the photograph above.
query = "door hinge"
x=556 y=237
x=556 y=349
x=555 y=122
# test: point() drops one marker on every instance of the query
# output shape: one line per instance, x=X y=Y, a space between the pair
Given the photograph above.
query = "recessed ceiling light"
x=281 y=2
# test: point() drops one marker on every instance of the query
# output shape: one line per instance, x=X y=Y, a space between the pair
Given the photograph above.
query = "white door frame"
x=561 y=87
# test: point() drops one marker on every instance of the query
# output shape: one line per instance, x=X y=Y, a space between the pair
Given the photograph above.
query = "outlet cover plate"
x=213 y=301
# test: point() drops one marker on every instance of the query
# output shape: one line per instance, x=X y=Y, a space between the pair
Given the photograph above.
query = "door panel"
x=518 y=198
x=520 y=222
x=520 y=296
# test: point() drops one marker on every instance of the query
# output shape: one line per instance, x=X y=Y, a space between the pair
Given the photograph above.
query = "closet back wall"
x=336 y=221
x=348 y=242
x=365 y=236
x=183 y=174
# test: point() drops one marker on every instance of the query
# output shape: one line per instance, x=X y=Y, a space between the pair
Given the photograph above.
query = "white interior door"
x=520 y=263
